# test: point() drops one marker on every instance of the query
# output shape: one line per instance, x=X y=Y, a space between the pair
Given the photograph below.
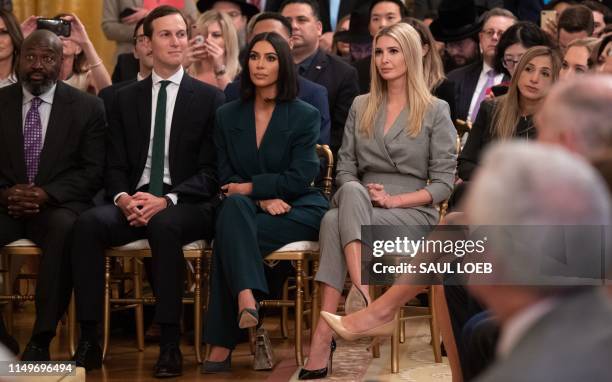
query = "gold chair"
x=25 y=247
x=136 y=251
x=301 y=253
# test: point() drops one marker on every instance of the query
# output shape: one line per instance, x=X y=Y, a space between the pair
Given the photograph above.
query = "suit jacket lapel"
x=144 y=118
x=276 y=136
x=57 y=130
x=182 y=108
x=244 y=141
x=379 y=134
x=399 y=126
x=14 y=134
x=317 y=66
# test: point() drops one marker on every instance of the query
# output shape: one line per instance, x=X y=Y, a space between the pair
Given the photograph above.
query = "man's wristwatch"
x=169 y=202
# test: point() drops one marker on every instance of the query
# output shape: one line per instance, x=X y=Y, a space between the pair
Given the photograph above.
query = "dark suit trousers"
x=244 y=235
x=51 y=230
x=167 y=232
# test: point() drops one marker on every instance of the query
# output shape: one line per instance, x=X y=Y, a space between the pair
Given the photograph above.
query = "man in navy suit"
x=309 y=92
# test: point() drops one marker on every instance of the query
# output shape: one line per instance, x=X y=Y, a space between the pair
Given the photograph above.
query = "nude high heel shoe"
x=335 y=322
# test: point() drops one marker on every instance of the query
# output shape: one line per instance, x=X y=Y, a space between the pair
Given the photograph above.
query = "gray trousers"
x=352 y=208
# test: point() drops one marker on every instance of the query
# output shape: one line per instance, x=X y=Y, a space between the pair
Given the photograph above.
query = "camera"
x=58 y=26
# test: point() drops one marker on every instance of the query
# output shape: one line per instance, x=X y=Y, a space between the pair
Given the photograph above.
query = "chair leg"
x=139 y=309
x=284 y=311
x=8 y=291
x=402 y=327
x=374 y=290
x=197 y=310
x=107 y=272
x=316 y=299
x=307 y=294
x=395 y=347
x=299 y=311
x=72 y=326
x=435 y=329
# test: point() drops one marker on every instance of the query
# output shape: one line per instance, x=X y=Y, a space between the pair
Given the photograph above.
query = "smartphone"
x=126 y=12
x=199 y=40
x=58 y=26
x=545 y=16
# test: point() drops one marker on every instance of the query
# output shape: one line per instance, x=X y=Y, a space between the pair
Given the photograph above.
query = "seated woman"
x=267 y=161
x=577 y=59
x=397 y=161
x=212 y=56
x=510 y=116
x=433 y=69
x=10 y=46
x=82 y=68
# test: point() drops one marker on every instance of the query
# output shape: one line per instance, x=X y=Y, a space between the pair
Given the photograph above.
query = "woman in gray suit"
x=397 y=161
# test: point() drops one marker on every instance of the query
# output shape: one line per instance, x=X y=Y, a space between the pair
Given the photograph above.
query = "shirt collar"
x=518 y=325
x=175 y=78
x=486 y=68
x=45 y=97
x=305 y=65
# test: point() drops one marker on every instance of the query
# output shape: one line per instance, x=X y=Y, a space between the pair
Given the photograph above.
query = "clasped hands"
x=141 y=207
x=23 y=200
x=379 y=197
x=270 y=206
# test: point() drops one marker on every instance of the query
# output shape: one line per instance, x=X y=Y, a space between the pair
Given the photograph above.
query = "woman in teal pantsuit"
x=267 y=162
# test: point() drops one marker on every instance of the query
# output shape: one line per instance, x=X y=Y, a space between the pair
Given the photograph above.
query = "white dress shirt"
x=482 y=80
x=171 y=94
x=11 y=79
x=44 y=109
x=516 y=327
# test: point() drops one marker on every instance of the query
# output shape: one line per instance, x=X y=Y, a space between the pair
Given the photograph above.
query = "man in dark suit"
x=474 y=81
x=328 y=70
x=162 y=181
x=309 y=92
x=51 y=165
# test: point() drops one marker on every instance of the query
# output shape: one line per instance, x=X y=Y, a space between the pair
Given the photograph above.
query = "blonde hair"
x=433 y=69
x=230 y=36
x=507 y=111
x=417 y=93
x=589 y=43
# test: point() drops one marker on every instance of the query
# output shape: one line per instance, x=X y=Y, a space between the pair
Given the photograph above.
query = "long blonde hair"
x=417 y=93
x=433 y=69
x=508 y=111
x=230 y=36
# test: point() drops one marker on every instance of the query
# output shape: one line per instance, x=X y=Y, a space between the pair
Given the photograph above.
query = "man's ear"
x=320 y=28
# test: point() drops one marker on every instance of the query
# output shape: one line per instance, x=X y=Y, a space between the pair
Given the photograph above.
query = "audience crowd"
x=208 y=129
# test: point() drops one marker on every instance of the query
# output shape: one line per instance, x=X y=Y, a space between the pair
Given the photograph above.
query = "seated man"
x=51 y=165
x=161 y=178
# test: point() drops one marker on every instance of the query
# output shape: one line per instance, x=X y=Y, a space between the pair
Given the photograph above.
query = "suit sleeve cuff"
x=116 y=198
x=174 y=197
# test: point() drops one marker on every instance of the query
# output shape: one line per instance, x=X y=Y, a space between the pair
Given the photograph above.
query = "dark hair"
x=14 y=31
x=271 y=16
x=577 y=18
x=525 y=33
x=161 y=11
x=403 y=10
x=138 y=24
x=316 y=11
x=286 y=85
x=550 y=6
x=596 y=6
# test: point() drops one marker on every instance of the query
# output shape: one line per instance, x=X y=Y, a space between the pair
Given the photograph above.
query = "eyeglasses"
x=139 y=39
x=492 y=32
x=47 y=60
x=510 y=62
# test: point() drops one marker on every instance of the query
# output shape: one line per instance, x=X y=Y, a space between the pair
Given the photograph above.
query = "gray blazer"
x=399 y=162
x=115 y=30
x=573 y=342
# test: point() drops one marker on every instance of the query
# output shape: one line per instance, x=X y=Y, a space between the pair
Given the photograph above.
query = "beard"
x=38 y=87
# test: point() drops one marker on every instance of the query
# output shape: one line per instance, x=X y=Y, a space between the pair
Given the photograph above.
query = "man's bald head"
x=577 y=114
x=40 y=61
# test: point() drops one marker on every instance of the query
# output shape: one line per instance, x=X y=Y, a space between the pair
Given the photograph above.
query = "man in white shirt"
x=161 y=182
x=474 y=80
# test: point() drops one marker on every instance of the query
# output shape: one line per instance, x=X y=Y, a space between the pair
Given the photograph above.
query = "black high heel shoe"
x=319 y=373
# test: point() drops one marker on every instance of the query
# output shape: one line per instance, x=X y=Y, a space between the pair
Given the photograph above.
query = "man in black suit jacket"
x=51 y=165
x=328 y=70
x=162 y=180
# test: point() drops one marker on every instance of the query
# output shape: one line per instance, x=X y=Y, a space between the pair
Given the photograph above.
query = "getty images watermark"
x=460 y=255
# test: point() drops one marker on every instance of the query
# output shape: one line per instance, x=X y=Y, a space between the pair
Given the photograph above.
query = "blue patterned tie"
x=32 y=139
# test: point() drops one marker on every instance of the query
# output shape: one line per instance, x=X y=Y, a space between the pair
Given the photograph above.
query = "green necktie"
x=156 y=182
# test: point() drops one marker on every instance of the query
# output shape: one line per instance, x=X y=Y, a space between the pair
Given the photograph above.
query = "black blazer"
x=126 y=68
x=191 y=153
x=72 y=158
x=108 y=95
x=340 y=80
x=446 y=92
x=346 y=7
x=363 y=71
x=465 y=79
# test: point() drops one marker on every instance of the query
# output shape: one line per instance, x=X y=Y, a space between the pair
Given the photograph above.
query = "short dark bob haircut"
x=287 y=84
x=525 y=33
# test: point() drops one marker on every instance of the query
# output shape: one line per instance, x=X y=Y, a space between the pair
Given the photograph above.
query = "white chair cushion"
x=21 y=243
x=300 y=246
x=144 y=244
